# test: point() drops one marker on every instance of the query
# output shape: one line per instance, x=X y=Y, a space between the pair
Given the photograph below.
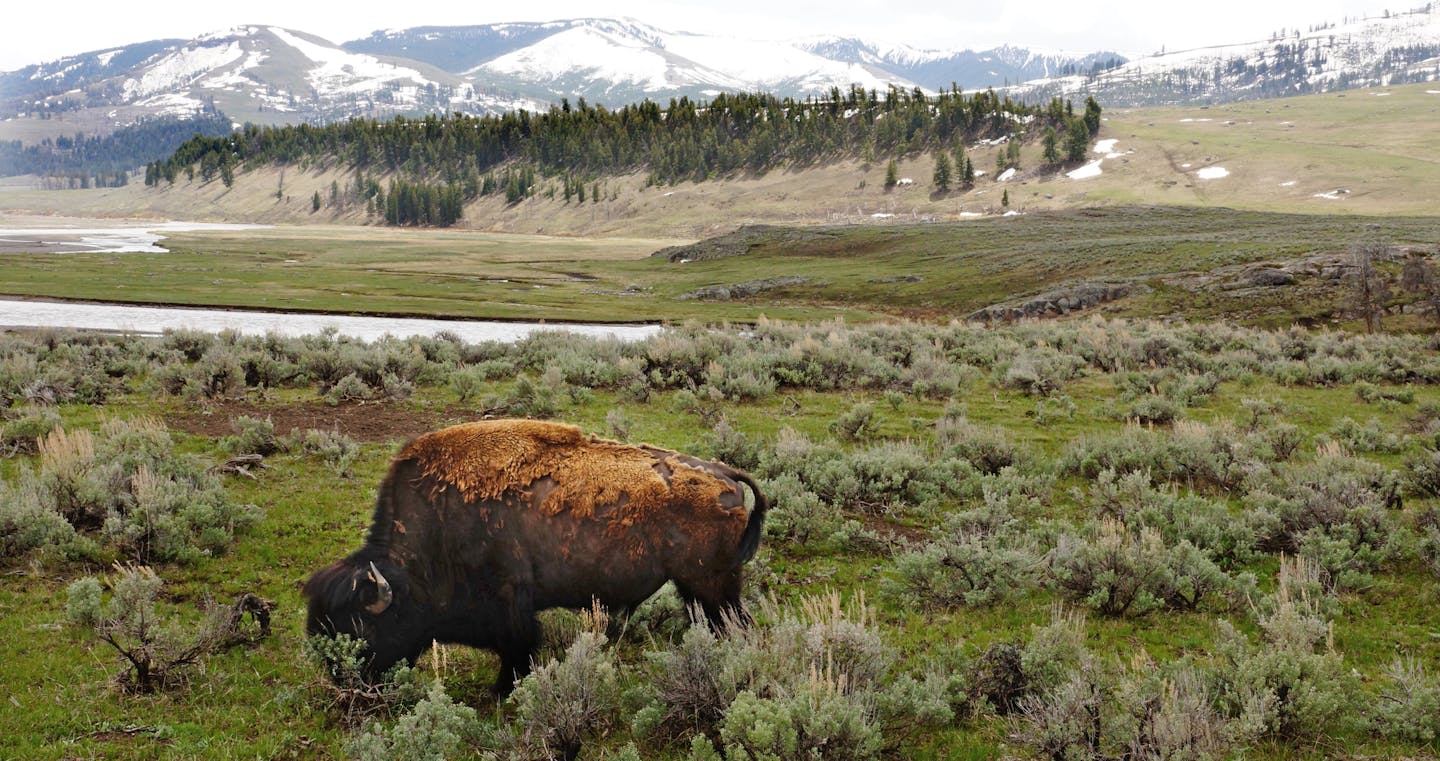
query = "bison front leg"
x=518 y=637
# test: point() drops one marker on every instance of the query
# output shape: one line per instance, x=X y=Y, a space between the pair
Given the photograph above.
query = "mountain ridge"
x=270 y=75
x=1395 y=48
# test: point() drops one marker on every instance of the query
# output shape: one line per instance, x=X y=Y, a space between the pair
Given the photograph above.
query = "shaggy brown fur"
x=486 y=459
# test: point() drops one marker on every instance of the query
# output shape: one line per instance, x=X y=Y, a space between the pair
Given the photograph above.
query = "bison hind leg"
x=518 y=639
x=718 y=596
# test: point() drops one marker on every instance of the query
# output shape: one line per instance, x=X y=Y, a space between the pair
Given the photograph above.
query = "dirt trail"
x=368 y=422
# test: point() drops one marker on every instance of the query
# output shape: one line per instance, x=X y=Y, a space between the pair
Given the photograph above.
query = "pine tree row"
x=688 y=140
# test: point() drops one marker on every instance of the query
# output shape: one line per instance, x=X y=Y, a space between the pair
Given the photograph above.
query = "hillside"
x=1366 y=152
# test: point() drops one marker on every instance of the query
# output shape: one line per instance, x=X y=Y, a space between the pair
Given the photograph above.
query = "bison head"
x=367 y=600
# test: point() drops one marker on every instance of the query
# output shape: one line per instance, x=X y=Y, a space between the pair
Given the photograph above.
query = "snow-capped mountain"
x=617 y=61
x=266 y=74
x=1386 y=50
x=261 y=74
x=969 y=69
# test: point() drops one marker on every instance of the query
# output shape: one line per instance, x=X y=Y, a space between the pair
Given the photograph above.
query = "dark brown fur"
x=479 y=526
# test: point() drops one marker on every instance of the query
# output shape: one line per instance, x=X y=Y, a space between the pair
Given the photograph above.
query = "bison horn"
x=385 y=594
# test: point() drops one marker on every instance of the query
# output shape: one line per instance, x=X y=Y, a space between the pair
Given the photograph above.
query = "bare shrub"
x=618 y=423
x=161 y=653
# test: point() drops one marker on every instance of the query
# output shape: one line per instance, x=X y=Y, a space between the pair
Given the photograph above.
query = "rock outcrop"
x=1060 y=301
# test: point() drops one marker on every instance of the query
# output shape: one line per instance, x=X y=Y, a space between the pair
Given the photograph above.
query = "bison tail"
x=750 y=540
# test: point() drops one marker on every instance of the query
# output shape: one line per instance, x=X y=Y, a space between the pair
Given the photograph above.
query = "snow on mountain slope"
x=182 y=68
x=253 y=73
x=619 y=55
x=267 y=74
x=969 y=69
x=768 y=62
x=340 y=71
x=600 y=55
x=1390 y=49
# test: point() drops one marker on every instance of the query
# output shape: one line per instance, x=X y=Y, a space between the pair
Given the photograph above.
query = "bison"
x=480 y=525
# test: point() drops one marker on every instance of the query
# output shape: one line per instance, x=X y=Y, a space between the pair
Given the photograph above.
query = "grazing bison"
x=480 y=525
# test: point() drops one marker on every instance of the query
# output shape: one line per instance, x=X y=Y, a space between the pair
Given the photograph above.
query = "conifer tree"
x=1077 y=140
x=892 y=174
x=942 y=171
x=1050 y=146
x=1092 y=115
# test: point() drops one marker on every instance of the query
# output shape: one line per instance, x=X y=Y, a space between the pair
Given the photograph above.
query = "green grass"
x=261 y=702
x=954 y=269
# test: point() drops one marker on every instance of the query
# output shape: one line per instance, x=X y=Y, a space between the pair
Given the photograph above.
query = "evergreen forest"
x=437 y=163
x=106 y=160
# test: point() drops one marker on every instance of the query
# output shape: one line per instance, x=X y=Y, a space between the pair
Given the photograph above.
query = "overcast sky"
x=34 y=32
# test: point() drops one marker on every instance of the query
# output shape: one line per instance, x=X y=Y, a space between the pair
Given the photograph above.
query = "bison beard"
x=479 y=526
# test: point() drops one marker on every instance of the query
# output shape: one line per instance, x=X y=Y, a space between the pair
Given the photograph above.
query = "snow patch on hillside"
x=182 y=67
x=234 y=78
x=173 y=104
x=339 y=71
x=1089 y=171
x=1213 y=173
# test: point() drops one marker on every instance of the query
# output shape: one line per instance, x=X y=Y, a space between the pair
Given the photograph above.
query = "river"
x=101 y=237
x=15 y=313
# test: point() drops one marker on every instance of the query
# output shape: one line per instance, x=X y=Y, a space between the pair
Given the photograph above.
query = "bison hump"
x=487 y=459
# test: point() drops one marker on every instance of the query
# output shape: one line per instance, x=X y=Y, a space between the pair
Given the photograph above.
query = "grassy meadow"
x=1215 y=541
x=864 y=273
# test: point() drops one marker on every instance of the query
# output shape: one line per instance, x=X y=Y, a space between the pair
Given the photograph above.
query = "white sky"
x=34 y=32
